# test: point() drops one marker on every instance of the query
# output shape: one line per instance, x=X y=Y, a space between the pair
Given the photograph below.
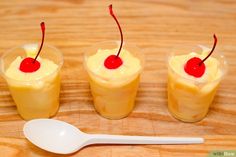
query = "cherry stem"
x=213 y=48
x=121 y=34
x=43 y=34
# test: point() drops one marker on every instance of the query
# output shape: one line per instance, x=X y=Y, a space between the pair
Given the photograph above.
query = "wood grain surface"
x=156 y=26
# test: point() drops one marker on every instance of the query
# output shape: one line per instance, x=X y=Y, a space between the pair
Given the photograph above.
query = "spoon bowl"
x=54 y=136
x=62 y=138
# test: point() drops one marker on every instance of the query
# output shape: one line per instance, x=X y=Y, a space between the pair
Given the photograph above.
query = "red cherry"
x=113 y=62
x=28 y=65
x=195 y=66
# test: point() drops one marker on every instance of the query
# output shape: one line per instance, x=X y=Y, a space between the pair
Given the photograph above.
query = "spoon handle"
x=118 y=139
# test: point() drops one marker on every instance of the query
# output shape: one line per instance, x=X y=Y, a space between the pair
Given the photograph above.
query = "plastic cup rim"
x=21 y=46
x=195 y=80
x=113 y=42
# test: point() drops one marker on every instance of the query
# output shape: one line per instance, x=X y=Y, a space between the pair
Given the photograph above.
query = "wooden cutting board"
x=155 y=26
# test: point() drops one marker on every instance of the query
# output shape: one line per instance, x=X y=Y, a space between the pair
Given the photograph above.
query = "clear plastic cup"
x=114 y=99
x=189 y=100
x=38 y=98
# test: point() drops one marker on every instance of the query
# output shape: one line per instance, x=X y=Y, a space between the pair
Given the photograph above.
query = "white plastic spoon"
x=60 y=137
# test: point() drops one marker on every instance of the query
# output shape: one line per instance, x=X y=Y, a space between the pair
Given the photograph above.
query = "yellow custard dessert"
x=113 y=90
x=189 y=97
x=36 y=94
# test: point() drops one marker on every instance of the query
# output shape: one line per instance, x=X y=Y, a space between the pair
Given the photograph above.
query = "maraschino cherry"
x=114 y=61
x=29 y=65
x=195 y=66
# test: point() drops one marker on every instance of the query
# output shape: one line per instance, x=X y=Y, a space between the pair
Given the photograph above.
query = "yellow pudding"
x=131 y=65
x=189 y=98
x=113 y=90
x=36 y=94
x=47 y=68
